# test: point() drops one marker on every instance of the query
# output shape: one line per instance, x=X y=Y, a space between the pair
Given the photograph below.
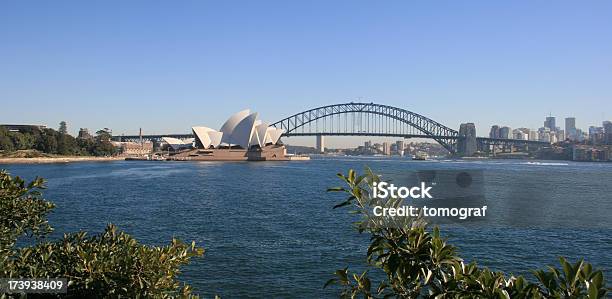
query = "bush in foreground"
x=111 y=264
x=418 y=262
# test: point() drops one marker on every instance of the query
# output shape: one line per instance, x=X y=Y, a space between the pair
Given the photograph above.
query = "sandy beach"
x=40 y=160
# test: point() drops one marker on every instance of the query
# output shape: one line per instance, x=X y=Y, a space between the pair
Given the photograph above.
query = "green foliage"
x=55 y=142
x=103 y=135
x=418 y=262
x=63 y=127
x=111 y=264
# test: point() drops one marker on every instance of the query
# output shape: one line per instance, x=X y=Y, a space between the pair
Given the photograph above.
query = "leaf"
x=329 y=282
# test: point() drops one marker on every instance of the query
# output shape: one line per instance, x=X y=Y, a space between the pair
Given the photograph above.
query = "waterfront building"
x=580 y=135
x=596 y=135
x=590 y=153
x=553 y=138
x=570 y=128
x=84 y=134
x=533 y=135
x=505 y=133
x=241 y=130
x=241 y=137
x=560 y=135
x=607 y=125
x=386 y=148
x=544 y=134
x=400 y=147
x=550 y=123
x=519 y=134
x=175 y=144
x=494 y=133
x=134 y=148
x=18 y=128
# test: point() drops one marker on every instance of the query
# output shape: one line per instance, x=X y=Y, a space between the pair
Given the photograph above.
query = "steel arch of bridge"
x=367 y=119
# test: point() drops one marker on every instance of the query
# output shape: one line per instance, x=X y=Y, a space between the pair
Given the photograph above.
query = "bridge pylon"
x=320 y=144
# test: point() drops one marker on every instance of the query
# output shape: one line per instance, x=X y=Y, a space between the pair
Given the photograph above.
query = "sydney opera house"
x=242 y=137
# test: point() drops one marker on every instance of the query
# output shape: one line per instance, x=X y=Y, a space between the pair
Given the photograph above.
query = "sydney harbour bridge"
x=370 y=119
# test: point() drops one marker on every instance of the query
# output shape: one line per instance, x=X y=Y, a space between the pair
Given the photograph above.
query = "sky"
x=166 y=66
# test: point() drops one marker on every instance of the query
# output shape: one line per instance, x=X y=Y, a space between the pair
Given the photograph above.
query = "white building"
x=177 y=144
x=242 y=130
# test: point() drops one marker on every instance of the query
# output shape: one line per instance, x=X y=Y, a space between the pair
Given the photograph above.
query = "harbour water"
x=270 y=231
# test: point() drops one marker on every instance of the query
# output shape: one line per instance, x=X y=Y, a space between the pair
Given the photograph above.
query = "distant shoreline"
x=68 y=159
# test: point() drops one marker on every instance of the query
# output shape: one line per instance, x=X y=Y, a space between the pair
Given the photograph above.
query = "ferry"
x=420 y=156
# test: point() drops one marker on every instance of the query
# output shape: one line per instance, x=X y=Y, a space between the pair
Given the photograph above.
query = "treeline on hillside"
x=58 y=142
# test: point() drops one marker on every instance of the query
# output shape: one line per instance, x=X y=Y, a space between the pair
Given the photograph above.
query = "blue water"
x=270 y=231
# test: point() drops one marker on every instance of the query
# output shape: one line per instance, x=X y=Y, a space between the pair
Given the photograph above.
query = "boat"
x=420 y=156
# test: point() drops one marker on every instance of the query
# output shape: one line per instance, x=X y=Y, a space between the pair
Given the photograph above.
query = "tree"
x=103 y=148
x=112 y=264
x=22 y=141
x=104 y=134
x=418 y=262
x=63 y=128
x=49 y=144
x=6 y=144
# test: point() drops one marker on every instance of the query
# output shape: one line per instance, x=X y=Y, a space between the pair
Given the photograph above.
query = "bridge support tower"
x=320 y=144
x=466 y=144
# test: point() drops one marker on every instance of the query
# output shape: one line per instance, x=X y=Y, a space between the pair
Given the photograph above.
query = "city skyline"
x=159 y=66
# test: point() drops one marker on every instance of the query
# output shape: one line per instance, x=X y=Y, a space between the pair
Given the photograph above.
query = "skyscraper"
x=570 y=128
x=400 y=147
x=505 y=133
x=533 y=135
x=494 y=133
x=607 y=125
x=550 y=123
x=386 y=148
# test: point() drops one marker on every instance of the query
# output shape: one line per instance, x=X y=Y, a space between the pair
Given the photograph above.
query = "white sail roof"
x=230 y=124
x=176 y=143
x=260 y=134
x=203 y=136
x=243 y=131
x=215 y=138
x=274 y=134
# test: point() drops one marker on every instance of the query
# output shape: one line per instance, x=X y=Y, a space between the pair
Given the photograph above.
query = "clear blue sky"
x=165 y=66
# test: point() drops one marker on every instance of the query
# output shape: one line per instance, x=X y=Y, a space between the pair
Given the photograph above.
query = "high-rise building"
x=519 y=134
x=494 y=133
x=533 y=135
x=544 y=134
x=596 y=135
x=560 y=135
x=607 y=125
x=400 y=147
x=367 y=144
x=386 y=148
x=505 y=133
x=580 y=135
x=550 y=123
x=570 y=128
